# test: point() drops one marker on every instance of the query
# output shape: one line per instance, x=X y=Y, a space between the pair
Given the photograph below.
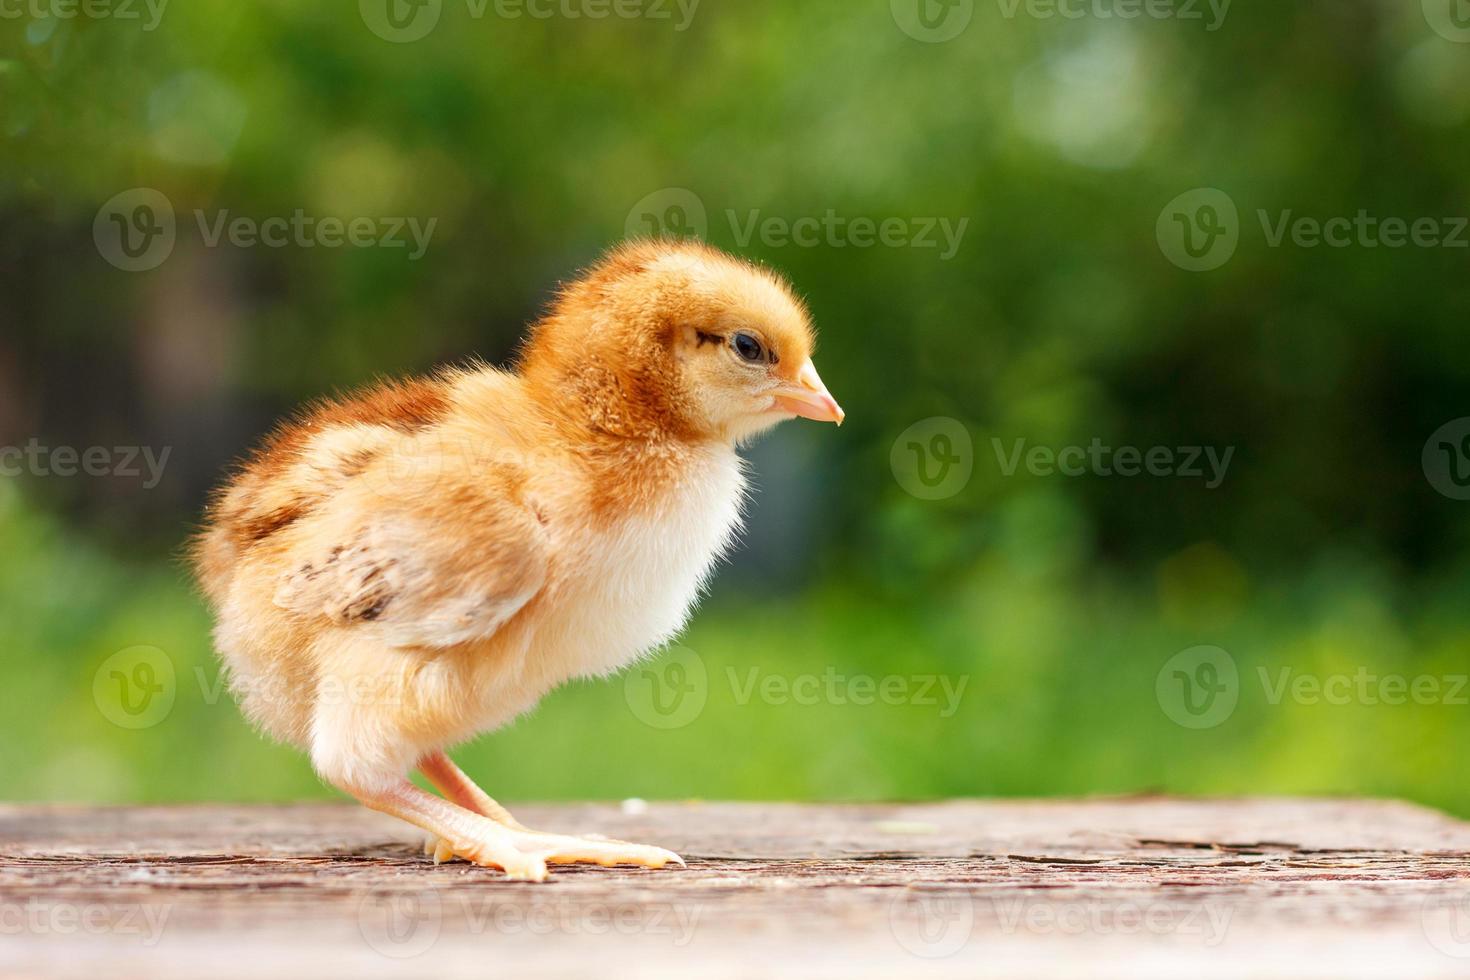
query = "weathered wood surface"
x=1137 y=887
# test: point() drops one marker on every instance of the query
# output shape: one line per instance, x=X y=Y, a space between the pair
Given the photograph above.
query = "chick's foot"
x=562 y=849
x=554 y=848
x=457 y=832
x=517 y=865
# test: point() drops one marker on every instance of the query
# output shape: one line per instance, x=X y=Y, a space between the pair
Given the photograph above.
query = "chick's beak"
x=808 y=397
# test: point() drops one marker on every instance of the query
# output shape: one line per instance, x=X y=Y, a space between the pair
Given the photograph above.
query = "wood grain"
x=1133 y=887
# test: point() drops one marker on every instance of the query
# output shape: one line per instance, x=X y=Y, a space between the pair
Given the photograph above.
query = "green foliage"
x=1058 y=320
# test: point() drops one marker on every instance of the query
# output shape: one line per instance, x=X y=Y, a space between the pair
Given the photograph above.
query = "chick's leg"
x=451 y=780
x=440 y=770
x=460 y=832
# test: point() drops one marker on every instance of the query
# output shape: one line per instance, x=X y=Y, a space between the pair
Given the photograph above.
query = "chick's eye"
x=748 y=347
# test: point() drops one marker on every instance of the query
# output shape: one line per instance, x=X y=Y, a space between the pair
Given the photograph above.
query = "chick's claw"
x=438 y=848
x=518 y=865
x=581 y=850
x=532 y=869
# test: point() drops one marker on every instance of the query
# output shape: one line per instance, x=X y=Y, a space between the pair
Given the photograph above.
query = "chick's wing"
x=421 y=578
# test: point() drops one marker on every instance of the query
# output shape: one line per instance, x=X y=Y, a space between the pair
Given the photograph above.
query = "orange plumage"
x=397 y=572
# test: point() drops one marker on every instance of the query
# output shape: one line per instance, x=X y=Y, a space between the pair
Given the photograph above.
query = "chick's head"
x=714 y=346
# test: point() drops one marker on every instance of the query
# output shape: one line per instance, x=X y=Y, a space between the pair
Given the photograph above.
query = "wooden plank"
x=1135 y=887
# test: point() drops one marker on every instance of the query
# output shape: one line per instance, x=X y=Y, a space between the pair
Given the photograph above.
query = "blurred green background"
x=534 y=143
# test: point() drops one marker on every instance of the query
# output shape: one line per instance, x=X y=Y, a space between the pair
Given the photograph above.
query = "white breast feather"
x=641 y=580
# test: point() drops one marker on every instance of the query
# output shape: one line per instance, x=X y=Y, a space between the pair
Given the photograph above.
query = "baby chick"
x=395 y=573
